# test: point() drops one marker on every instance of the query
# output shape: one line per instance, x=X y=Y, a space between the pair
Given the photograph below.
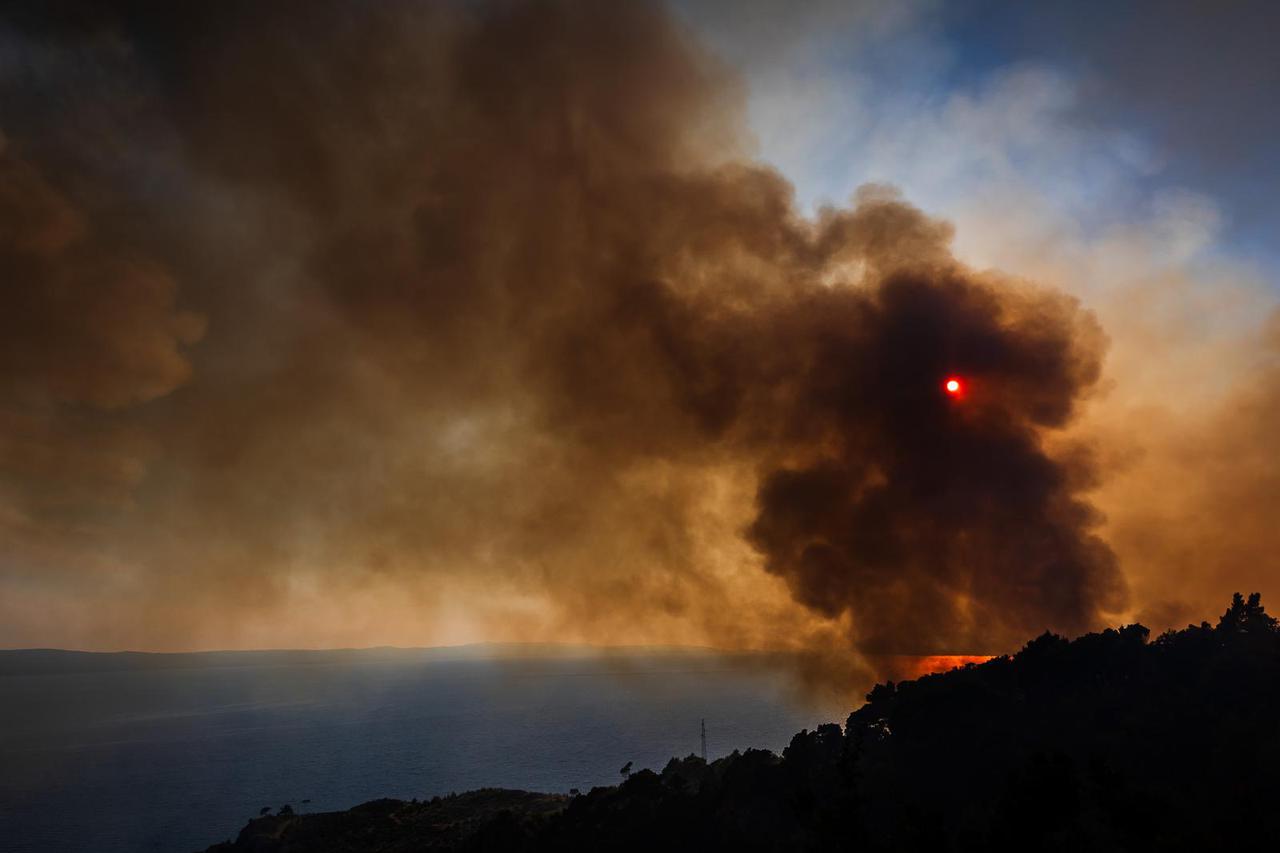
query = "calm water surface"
x=119 y=753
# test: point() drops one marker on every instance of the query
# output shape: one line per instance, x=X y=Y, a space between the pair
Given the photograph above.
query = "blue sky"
x=1105 y=112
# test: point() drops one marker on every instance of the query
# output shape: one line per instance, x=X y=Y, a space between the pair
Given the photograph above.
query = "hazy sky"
x=332 y=324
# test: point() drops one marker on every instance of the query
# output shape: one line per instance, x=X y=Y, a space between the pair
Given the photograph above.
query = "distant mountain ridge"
x=35 y=661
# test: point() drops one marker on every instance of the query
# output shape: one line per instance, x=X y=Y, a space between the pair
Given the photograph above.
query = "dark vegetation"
x=1110 y=742
x=394 y=826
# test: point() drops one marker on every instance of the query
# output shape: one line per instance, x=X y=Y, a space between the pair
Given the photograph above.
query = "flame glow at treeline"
x=336 y=324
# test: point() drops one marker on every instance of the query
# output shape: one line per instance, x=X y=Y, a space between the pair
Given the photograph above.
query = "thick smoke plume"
x=942 y=525
x=504 y=330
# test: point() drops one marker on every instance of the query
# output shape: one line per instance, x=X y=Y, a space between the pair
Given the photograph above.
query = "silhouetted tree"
x=1246 y=617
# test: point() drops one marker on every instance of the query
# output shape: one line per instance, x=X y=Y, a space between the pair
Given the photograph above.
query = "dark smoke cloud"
x=941 y=525
x=83 y=322
x=498 y=313
x=86 y=328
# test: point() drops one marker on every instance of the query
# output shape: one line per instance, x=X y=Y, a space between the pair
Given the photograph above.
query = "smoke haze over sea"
x=135 y=753
x=331 y=324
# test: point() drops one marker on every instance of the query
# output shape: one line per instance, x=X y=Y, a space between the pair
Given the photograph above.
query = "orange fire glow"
x=944 y=663
x=910 y=667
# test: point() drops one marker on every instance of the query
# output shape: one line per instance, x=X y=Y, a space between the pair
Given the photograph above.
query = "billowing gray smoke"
x=494 y=304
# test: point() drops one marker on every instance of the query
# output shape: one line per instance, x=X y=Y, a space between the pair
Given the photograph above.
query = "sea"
x=132 y=752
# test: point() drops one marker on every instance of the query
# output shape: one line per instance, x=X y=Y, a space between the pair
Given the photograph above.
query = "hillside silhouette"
x=1109 y=742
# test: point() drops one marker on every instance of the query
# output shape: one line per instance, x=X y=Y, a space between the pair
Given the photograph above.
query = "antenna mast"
x=704 y=740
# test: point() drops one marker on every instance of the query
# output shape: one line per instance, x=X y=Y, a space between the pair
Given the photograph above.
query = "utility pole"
x=704 y=740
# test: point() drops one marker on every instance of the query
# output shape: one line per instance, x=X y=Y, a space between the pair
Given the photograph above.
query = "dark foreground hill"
x=1105 y=743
